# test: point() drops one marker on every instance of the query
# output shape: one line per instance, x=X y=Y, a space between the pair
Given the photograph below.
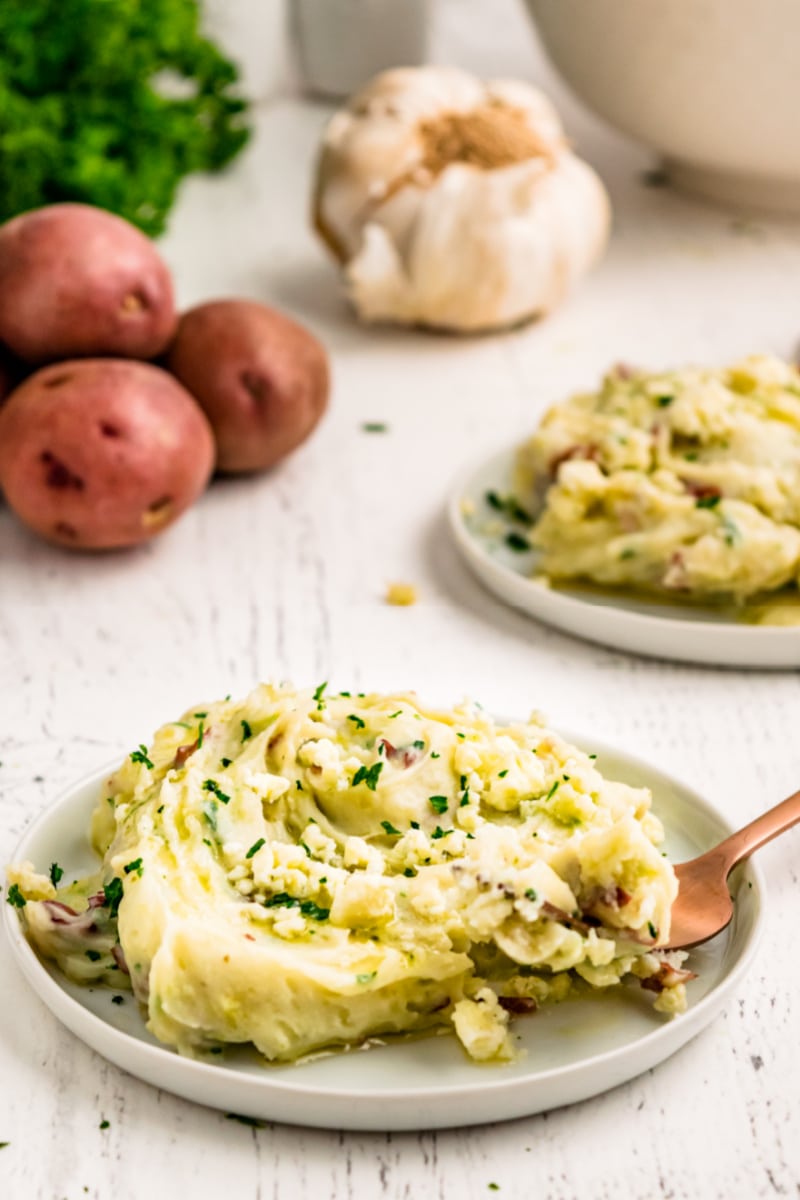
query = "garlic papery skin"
x=455 y=203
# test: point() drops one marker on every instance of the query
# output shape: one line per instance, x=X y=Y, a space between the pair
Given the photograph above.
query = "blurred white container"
x=341 y=44
x=713 y=85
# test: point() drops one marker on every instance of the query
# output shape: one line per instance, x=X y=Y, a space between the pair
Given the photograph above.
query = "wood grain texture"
x=283 y=576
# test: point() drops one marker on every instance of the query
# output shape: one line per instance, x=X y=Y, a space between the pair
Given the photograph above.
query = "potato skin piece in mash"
x=305 y=870
x=676 y=482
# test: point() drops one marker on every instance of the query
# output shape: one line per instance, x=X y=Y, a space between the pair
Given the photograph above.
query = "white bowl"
x=712 y=85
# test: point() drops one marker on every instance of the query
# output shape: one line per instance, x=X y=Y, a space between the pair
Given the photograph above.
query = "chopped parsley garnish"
x=298 y=785
x=345 y=694
x=515 y=541
x=15 y=897
x=440 y=833
x=117 y=999
x=359 y=724
x=4 y=1144
x=530 y=894
x=464 y=799
x=438 y=803
x=652 y=930
x=211 y=785
x=253 y=1122
x=409 y=872
x=367 y=977
x=509 y=506
x=136 y=866
x=628 y=552
x=254 y=849
x=247 y=732
x=414 y=824
x=435 y=755
x=461 y=735
x=113 y=892
x=375 y=427
x=56 y=874
x=553 y=790
x=502 y=774
x=225 y=762
x=307 y=907
x=200 y=714
x=707 y=501
x=104 y=1124
x=390 y=829
x=462 y=782
x=664 y=401
x=418 y=745
x=399 y=713
x=368 y=775
x=140 y=756
x=592 y=757
x=210 y=811
x=201 y=733
x=319 y=693
x=93 y=955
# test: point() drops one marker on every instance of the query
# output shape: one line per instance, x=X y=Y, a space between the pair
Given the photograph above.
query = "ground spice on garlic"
x=495 y=135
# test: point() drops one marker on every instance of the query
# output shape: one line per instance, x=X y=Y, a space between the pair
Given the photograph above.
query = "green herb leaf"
x=201 y=733
x=15 y=897
x=225 y=762
x=390 y=829
x=56 y=874
x=651 y=929
x=440 y=833
x=664 y=401
x=516 y=542
x=502 y=774
x=374 y=427
x=113 y=892
x=368 y=775
x=438 y=803
x=409 y=872
x=140 y=756
x=93 y=955
x=211 y=785
x=359 y=724
x=104 y=1124
x=418 y=745
x=553 y=790
x=319 y=692
x=247 y=732
x=707 y=501
x=135 y=866
x=256 y=846
x=531 y=894
x=367 y=977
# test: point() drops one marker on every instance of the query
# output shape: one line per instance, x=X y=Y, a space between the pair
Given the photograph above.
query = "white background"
x=284 y=575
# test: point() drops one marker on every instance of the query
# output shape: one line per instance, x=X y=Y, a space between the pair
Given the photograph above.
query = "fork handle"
x=766 y=827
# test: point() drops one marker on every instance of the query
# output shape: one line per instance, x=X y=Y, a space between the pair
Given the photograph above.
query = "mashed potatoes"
x=686 y=481
x=303 y=871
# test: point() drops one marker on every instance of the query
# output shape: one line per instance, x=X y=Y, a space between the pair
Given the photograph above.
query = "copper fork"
x=704 y=906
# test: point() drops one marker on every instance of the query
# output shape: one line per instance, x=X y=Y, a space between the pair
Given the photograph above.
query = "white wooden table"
x=284 y=575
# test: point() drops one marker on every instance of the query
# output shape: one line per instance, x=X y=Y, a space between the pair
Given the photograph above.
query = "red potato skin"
x=97 y=454
x=261 y=379
x=78 y=281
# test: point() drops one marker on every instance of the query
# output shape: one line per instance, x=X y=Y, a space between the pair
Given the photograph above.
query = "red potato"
x=261 y=379
x=97 y=454
x=76 y=280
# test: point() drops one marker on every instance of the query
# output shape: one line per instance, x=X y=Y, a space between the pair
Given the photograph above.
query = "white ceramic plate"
x=660 y=630
x=574 y=1050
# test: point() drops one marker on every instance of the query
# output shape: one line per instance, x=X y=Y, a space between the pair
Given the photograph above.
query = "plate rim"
x=53 y=995
x=472 y=550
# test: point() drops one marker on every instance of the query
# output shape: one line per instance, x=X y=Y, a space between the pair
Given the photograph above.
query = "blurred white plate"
x=654 y=628
x=573 y=1050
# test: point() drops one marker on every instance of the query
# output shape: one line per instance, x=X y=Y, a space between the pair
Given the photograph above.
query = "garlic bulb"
x=455 y=203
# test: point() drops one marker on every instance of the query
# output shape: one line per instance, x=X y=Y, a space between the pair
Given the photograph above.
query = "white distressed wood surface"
x=283 y=576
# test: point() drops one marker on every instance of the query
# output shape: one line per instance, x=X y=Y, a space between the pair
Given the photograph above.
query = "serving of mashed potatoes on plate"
x=305 y=871
x=676 y=482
